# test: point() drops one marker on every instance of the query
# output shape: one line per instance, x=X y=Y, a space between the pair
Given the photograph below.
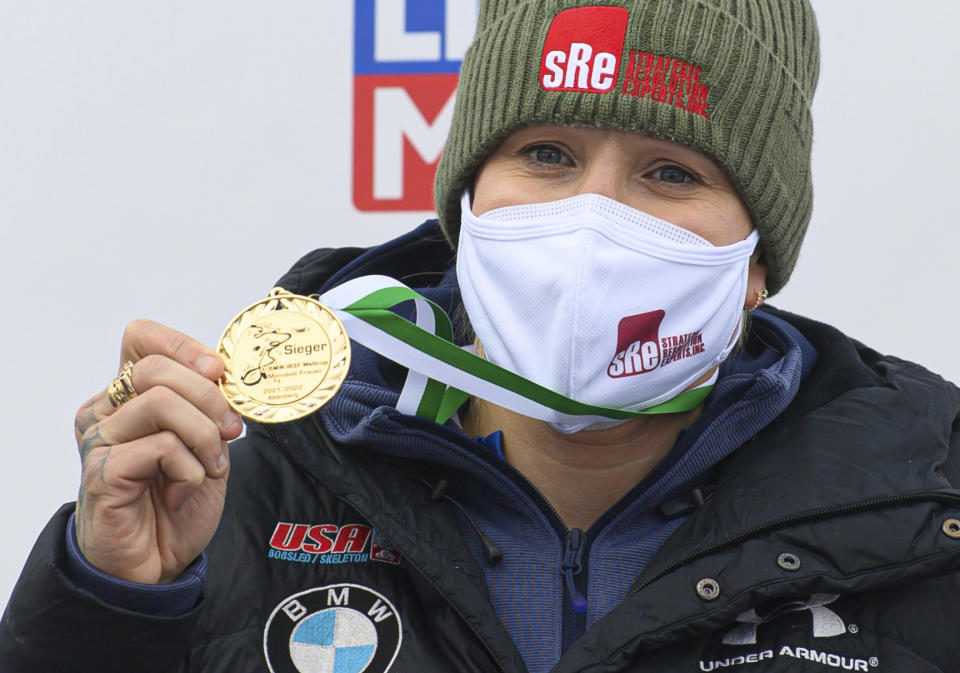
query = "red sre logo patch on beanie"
x=584 y=52
x=583 y=49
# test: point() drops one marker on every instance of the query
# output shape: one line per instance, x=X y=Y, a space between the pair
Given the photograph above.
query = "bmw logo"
x=341 y=628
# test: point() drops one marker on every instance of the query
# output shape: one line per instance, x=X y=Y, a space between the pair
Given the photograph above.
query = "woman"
x=623 y=182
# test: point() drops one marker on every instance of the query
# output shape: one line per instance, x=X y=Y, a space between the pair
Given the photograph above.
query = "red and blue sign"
x=407 y=55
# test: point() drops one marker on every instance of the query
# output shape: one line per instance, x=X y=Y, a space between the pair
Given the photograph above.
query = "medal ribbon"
x=442 y=376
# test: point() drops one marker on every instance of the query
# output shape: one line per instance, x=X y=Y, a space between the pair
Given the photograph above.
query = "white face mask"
x=599 y=301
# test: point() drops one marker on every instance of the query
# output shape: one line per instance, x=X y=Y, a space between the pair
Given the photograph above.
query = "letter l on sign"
x=392 y=42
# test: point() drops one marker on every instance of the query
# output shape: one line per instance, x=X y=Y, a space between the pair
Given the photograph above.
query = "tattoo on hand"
x=91 y=440
x=103 y=464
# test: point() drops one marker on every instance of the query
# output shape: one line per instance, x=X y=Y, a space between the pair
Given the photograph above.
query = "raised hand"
x=154 y=470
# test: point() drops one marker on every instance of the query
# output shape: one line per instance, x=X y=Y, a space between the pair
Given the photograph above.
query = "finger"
x=158 y=370
x=90 y=440
x=145 y=337
x=92 y=412
x=125 y=471
x=160 y=409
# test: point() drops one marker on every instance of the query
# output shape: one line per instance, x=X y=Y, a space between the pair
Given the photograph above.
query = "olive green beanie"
x=733 y=79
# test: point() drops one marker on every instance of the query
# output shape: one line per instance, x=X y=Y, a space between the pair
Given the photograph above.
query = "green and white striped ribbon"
x=441 y=375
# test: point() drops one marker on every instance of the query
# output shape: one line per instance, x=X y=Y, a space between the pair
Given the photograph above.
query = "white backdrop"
x=171 y=160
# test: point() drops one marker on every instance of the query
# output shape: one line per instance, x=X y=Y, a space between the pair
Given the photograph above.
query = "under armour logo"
x=826 y=622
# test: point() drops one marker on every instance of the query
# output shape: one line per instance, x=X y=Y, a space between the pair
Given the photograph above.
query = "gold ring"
x=121 y=390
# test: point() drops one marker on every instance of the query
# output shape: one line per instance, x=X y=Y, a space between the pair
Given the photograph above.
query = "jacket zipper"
x=572 y=566
x=575 y=601
x=576 y=544
x=939 y=496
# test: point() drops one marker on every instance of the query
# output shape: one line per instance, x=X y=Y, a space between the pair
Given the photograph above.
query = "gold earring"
x=761 y=297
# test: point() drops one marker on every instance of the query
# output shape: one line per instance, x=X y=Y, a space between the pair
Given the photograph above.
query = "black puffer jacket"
x=831 y=542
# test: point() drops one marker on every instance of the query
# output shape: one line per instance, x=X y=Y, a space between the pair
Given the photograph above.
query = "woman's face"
x=538 y=164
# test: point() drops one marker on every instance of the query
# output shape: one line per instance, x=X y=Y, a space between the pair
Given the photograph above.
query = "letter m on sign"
x=400 y=124
x=407 y=54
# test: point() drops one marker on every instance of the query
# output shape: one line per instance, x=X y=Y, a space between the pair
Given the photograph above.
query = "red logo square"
x=583 y=49
x=638 y=345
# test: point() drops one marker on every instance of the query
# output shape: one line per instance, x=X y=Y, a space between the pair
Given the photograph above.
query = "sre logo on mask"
x=638 y=345
x=583 y=49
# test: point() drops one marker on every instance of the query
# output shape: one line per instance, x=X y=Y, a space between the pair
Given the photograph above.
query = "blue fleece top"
x=530 y=590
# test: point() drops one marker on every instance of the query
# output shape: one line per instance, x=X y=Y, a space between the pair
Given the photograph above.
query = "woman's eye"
x=546 y=154
x=673 y=174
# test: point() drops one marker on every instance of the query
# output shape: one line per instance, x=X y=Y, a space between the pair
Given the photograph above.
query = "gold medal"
x=286 y=356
